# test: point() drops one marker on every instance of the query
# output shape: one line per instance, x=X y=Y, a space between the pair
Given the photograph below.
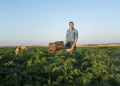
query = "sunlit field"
x=92 y=66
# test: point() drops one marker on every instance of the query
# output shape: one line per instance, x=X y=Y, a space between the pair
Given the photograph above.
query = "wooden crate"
x=51 y=51
x=55 y=47
x=52 y=46
x=59 y=42
x=59 y=45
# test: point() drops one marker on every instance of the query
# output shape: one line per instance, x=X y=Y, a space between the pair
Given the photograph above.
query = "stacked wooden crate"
x=55 y=47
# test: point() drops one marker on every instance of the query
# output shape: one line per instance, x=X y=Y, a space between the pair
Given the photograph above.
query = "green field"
x=92 y=66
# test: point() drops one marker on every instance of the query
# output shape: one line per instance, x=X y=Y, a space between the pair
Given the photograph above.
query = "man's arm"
x=65 y=40
x=75 y=40
x=66 y=37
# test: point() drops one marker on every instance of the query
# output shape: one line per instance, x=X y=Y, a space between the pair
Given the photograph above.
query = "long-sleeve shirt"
x=71 y=35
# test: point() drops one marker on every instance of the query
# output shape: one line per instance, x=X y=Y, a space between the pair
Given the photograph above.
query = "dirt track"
x=100 y=45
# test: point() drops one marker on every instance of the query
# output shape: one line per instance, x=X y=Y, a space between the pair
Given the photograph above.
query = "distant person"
x=71 y=37
x=21 y=47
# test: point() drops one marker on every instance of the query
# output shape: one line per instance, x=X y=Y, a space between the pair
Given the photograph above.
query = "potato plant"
x=92 y=66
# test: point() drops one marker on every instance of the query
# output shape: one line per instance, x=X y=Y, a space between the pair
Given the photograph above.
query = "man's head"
x=71 y=25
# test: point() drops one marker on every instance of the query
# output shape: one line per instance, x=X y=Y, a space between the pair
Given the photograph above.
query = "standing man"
x=71 y=37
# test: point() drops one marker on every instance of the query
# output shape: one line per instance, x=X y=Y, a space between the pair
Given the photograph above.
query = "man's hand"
x=73 y=45
x=65 y=44
x=65 y=40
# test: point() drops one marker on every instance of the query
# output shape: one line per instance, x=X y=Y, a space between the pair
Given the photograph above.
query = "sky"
x=39 y=22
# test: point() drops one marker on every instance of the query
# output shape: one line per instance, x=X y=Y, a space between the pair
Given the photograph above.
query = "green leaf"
x=37 y=83
x=88 y=68
x=86 y=82
x=118 y=79
x=84 y=63
x=15 y=74
x=106 y=77
x=49 y=83
x=54 y=83
x=45 y=85
x=59 y=79
x=105 y=83
x=24 y=73
x=65 y=78
x=70 y=77
x=55 y=69
x=112 y=75
x=86 y=58
x=105 y=71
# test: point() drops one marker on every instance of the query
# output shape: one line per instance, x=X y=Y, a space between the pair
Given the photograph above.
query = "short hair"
x=71 y=22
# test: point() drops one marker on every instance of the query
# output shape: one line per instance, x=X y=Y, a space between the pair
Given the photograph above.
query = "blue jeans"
x=69 y=44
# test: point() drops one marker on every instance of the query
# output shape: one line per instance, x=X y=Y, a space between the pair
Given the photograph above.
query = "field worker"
x=21 y=47
x=71 y=37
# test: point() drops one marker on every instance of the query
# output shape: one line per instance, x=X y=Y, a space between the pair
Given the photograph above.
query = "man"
x=71 y=37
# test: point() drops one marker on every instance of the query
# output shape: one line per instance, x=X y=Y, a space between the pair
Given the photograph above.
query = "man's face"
x=71 y=25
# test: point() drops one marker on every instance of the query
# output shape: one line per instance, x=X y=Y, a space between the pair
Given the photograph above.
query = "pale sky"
x=39 y=22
